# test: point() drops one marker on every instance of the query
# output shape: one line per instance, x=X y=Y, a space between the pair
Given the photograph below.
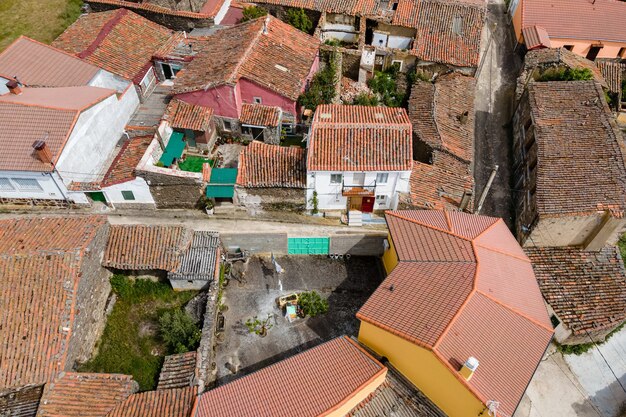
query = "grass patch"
x=131 y=343
x=37 y=19
x=193 y=163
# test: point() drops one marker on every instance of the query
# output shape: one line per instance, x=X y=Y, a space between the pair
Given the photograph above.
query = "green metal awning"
x=220 y=191
x=222 y=183
x=173 y=150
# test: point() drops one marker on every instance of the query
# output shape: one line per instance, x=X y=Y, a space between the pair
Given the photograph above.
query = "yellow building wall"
x=424 y=370
x=517 y=22
x=390 y=257
x=581 y=47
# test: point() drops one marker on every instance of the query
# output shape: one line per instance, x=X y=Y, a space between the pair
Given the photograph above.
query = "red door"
x=368 y=205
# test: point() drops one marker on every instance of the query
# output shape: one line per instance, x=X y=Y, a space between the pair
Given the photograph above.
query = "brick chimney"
x=43 y=152
x=14 y=87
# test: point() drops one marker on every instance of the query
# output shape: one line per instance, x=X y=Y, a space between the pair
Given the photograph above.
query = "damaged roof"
x=440 y=186
x=269 y=166
x=260 y=115
x=175 y=402
x=182 y=115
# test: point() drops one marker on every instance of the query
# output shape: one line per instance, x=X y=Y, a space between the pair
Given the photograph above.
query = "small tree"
x=322 y=88
x=179 y=331
x=569 y=74
x=314 y=202
x=259 y=327
x=252 y=12
x=312 y=304
x=365 y=99
x=299 y=20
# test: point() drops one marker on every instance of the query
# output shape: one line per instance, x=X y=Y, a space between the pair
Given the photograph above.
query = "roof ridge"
x=415 y=221
x=103 y=33
x=248 y=51
x=501 y=252
x=519 y=313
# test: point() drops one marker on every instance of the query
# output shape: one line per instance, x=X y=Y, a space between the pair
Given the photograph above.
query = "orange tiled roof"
x=123 y=167
x=335 y=371
x=84 y=394
x=580 y=152
x=587 y=290
x=279 y=60
x=178 y=371
x=39 y=65
x=463 y=279
x=260 y=115
x=360 y=138
x=40 y=268
x=141 y=247
x=434 y=187
x=262 y=166
x=181 y=115
x=176 y=402
x=119 y=41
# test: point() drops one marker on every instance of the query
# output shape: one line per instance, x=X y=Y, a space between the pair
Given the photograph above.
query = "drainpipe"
x=54 y=170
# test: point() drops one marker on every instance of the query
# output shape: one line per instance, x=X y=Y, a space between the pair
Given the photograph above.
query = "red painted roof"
x=311 y=383
x=536 y=37
x=463 y=287
x=360 y=138
x=268 y=166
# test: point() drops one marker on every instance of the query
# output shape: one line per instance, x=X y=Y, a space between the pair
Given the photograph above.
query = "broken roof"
x=360 y=138
x=335 y=372
x=267 y=166
x=260 y=115
x=440 y=186
x=459 y=277
x=40 y=260
x=176 y=402
x=120 y=41
x=200 y=261
x=581 y=163
x=47 y=114
x=557 y=57
x=39 y=65
x=178 y=371
x=182 y=115
x=442 y=114
x=587 y=290
x=266 y=51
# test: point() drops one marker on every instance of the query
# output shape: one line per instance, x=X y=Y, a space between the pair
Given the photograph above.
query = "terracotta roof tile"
x=181 y=115
x=600 y=20
x=39 y=65
x=279 y=60
x=335 y=371
x=580 y=153
x=613 y=74
x=433 y=187
x=178 y=371
x=262 y=166
x=459 y=283
x=123 y=167
x=84 y=394
x=360 y=138
x=176 y=402
x=587 y=290
x=560 y=57
x=119 y=41
x=260 y=115
x=536 y=37
x=142 y=247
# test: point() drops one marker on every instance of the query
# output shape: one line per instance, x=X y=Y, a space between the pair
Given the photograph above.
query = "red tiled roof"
x=279 y=60
x=178 y=371
x=40 y=268
x=176 y=402
x=41 y=114
x=599 y=20
x=360 y=138
x=141 y=247
x=123 y=167
x=580 y=152
x=335 y=371
x=536 y=37
x=463 y=279
x=39 y=65
x=119 y=41
x=433 y=187
x=587 y=290
x=260 y=115
x=262 y=166
x=181 y=115
x=84 y=394
x=557 y=57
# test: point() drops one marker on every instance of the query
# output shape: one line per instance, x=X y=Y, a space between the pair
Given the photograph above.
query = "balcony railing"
x=358 y=190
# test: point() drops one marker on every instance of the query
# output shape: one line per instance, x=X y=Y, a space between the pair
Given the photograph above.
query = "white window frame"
x=257 y=100
x=35 y=187
x=338 y=174
x=7 y=183
x=381 y=199
x=230 y=125
x=399 y=61
x=380 y=175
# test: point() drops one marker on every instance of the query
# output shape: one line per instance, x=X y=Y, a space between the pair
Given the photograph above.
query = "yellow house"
x=460 y=313
x=593 y=29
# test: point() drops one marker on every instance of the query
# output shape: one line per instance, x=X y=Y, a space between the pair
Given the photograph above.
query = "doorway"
x=593 y=52
x=367 y=206
x=359 y=179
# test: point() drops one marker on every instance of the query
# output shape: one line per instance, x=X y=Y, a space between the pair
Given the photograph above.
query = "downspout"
x=54 y=170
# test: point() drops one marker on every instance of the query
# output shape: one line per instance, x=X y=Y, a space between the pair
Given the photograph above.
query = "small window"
x=5 y=185
x=258 y=100
x=621 y=53
x=336 y=178
x=397 y=64
x=382 y=178
x=227 y=125
x=287 y=128
x=27 y=184
x=555 y=321
x=128 y=195
x=380 y=199
x=568 y=47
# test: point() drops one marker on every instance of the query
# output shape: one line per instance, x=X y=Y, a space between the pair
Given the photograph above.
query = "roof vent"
x=266 y=24
x=325 y=116
x=280 y=67
x=42 y=151
x=469 y=367
x=14 y=87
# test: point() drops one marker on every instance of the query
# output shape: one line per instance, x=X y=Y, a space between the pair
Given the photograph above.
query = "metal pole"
x=483 y=196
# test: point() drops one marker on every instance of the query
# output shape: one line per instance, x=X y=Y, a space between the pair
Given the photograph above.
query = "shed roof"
x=175 y=402
x=201 y=260
x=459 y=277
x=260 y=115
x=536 y=37
x=122 y=168
x=440 y=186
x=267 y=166
x=182 y=115
x=178 y=371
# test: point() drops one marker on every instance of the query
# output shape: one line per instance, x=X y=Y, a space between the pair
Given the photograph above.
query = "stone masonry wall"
x=167 y=20
x=272 y=199
x=171 y=191
x=206 y=371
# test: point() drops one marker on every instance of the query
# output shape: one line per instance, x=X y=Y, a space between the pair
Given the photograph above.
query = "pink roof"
x=536 y=37
x=61 y=98
x=463 y=280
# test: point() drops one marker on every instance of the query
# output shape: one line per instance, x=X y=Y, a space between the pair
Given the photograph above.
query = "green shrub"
x=299 y=20
x=384 y=83
x=415 y=75
x=322 y=87
x=569 y=74
x=333 y=42
x=312 y=304
x=122 y=286
x=259 y=327
x=252 y=12
x=179 y=331
x=365 y=99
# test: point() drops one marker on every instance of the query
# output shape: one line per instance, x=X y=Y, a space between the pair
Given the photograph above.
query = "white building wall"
x=105 y=79
x=399 y=42
x=223 y=10
x=139 y=188
x=46 y=182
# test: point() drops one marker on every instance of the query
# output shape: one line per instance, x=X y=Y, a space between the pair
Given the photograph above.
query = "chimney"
x=469 y=367
x=14 y=87
x=266 y=24
x=43 y=152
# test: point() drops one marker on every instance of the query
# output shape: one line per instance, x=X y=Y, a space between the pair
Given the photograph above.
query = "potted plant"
x=259 y=327
x=209 y=206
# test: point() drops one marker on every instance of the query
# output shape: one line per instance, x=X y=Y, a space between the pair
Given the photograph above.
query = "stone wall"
x=20 y=402
x=358 y=245
x=91 y=299
x=189 y=285
x=351 y=63
x=264 y=243
x=272 y=199
x=206 y=371
x=170 y=191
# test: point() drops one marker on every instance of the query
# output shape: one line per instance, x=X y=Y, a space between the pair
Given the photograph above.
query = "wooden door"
x=368 y=205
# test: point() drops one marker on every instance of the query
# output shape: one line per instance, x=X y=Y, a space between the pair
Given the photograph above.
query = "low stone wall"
x=358 y=245
x=206 y=371
x=272 y=199
x=256 y=242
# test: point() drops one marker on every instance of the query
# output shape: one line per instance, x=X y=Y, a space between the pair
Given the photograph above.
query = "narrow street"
x=494 y=106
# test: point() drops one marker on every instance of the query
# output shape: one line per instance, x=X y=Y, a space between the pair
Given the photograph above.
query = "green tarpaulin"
x=173 y=150
x=222 y=183
x=220 y=191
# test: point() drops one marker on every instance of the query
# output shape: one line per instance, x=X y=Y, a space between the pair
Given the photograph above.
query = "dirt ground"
x=346 y=285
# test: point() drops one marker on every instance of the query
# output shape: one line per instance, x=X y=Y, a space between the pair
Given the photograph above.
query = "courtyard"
x=346 y=284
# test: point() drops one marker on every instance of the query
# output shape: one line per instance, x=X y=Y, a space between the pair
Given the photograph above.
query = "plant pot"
x=209 y=211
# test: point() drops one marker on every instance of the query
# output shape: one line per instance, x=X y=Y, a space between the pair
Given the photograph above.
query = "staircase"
x=355 y=218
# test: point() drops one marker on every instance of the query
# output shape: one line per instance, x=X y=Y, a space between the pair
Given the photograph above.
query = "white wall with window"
x=131 y=193
x=32 y=185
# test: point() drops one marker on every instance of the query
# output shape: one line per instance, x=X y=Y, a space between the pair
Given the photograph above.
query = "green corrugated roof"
x=220 y=191
x=173 y=150
x=223 y=176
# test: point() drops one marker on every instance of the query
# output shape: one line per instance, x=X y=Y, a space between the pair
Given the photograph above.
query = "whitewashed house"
x=359 y=158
